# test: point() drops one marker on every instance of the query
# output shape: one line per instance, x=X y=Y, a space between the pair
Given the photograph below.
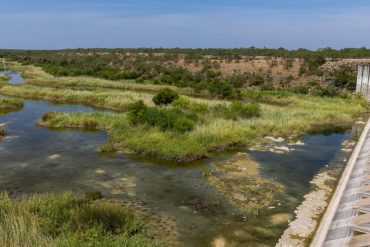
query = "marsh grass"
x=36 y=76
x=66 y=219
x=9 y=105
x=101 y=99
x=3 y=79
x=212 y=132
x=221 y=124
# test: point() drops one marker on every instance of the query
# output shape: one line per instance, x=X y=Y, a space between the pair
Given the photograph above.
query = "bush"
x=136 y=112
x=267 y=86
x=183 y=124
x=165 y=119
x=198 y=108
x=301 y=89
x=256 y=80
x=238 y=110
x=165 y=96
x=246 y=110
x=181 y=102
x=328 y=91
x=345 y=78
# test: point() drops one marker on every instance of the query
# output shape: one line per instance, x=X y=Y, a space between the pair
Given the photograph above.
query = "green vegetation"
x=69 y=220
x=217 y=127
x=113 y=100
x=188 y=128
x=4 y=79
x=9 y=105
x=345 y=78
x=170 y=67
x=164 y=119
x=165 y=96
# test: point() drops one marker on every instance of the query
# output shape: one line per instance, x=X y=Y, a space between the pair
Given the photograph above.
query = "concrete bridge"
x=347 y=218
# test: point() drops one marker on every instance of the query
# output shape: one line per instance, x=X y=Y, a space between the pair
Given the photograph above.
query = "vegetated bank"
x=188 y=131
x=185 y=128
x=221 y=72
x=67 y=219
x=6 y=106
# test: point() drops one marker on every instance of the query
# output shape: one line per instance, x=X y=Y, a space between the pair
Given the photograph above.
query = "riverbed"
x=176 y=199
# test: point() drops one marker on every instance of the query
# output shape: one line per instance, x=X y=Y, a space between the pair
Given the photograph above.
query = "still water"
x=177 y=199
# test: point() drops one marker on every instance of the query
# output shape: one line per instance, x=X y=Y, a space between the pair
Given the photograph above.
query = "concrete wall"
x=363 y=80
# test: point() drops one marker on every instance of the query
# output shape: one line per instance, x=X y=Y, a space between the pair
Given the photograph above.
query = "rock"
x=283 y=148
x=219 y=242
x=54 y=157
x=271 y=138
x=99 y=171
x=299 y=143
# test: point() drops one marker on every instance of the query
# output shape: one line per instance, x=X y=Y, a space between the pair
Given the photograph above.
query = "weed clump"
x=238 y=110
x=9 y=105
x=67 y=219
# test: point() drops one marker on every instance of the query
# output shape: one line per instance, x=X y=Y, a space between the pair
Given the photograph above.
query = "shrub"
x=267 y=86
x=301 y=89
x=181 y=102
x=165 y=96
x=136 y=111
x=345 y=78
x=183 y=124
x=328 y=91
x=198 y=108
x=246 y=110
x=314 y=63
x=238 y=110
x=256 y=80
x=165 y=119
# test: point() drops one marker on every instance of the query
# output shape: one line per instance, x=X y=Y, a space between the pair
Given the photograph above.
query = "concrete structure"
x=347 y=219
x=363 y=81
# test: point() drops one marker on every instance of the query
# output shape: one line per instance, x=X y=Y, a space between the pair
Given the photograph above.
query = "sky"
x=292 y=24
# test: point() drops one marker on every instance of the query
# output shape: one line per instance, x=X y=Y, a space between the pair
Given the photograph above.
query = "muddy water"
x=176 y=199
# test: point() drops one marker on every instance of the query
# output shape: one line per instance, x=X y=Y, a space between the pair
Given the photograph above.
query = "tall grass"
x=7 y=105
x=213 y=132
x=221 y=124
x=37 y=77
x=68 y=220
x=101 y=99
x=3 y=79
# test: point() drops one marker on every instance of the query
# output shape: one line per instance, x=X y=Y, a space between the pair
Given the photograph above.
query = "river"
x=176 y=198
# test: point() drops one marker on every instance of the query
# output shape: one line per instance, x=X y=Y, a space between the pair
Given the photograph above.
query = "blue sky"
x=55 y=24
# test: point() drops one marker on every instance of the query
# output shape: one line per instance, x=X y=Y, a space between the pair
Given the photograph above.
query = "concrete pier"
x=363 y=81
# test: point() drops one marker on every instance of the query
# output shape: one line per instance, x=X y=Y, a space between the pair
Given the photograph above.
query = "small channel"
x=177 y=199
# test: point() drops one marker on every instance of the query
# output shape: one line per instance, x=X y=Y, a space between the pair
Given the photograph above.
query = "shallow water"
x=175 y=198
